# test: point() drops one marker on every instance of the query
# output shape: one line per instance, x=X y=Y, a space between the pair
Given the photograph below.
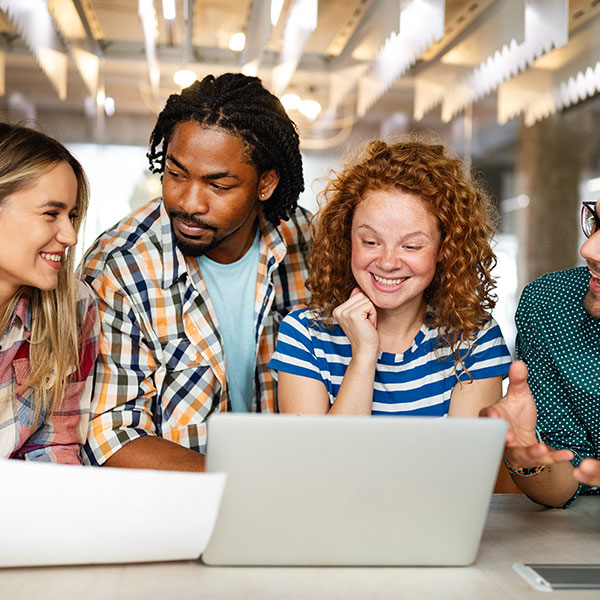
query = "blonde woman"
x=48 y=321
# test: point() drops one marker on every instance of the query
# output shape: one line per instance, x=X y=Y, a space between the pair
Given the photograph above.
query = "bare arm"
x=469 y=398
x=301 y=395
x=305 y=396
x=355 y=396
x=151 y=452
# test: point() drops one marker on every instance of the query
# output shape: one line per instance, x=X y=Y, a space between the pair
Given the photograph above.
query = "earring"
x=262 y=195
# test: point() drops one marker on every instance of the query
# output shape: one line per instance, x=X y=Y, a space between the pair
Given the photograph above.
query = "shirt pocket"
x=179 y=354
x=188 y=387
x=24 y=396
x=21 y=370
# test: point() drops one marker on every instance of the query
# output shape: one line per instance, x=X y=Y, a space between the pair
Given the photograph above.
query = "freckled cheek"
x=358 y=257
x=427 y=267
x=360 y=262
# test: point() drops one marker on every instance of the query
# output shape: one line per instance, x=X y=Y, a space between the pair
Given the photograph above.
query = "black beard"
x=189 y=246
x=591 y=304
x=193 y=248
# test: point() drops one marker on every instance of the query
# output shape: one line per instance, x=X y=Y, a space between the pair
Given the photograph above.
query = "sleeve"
x=124 y=389
x=64 y=431
x=294 y=352
x=559 y=426
x=488 y=356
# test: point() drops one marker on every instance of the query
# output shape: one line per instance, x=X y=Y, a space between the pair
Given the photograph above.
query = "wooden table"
x=517 y=530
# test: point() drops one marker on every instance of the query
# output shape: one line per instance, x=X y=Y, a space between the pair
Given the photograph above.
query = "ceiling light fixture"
x=169 y=12
x=290 y=101
x=109 y=106
x=301 y=22
x=251 y=68
x=310 y=109
x=184 y=78
x=237 y=42
x=276 y=6
x=147 y=16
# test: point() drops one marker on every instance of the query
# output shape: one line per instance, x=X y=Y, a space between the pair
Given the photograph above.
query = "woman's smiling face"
x=36 y=227
x=395 y=249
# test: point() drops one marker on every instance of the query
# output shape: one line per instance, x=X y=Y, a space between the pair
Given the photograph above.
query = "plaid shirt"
x=55 y=437
x=161 y=369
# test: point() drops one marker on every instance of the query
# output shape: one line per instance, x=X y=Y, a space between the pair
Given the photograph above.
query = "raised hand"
x=358 y=319
x=518 y=409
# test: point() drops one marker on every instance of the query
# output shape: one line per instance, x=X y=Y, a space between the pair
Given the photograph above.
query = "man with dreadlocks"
x=193 y=285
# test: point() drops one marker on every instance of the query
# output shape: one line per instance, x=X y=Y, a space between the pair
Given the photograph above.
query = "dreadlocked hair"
x=240 y=105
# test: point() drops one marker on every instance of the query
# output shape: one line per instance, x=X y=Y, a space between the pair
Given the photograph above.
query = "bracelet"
x=525 y=471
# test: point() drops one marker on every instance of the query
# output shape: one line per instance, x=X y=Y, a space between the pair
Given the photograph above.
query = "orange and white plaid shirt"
x=161 y=369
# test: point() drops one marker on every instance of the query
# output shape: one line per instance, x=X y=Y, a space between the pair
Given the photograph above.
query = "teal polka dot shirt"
x=560 y=343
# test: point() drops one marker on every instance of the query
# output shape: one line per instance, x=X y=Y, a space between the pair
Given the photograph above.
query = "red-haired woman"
x=401 y=288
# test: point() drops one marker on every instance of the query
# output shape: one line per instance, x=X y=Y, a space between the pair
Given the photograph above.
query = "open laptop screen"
x=323 y=490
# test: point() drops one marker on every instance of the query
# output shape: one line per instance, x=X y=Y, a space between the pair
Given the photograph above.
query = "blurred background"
x=511 y=85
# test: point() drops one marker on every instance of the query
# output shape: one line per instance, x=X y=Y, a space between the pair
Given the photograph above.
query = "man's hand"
x=588 y=472
x=518 y=409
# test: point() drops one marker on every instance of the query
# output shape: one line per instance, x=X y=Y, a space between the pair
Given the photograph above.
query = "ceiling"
x=371 y=64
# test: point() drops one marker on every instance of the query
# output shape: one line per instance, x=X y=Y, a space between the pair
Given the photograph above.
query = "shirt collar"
x=22 y=311
x=174 y=263
x=273 y=238
x=173 y=259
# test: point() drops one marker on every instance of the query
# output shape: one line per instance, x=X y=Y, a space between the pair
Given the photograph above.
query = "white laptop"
x=324 y=490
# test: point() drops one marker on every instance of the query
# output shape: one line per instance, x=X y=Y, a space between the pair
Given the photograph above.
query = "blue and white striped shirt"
x=418 y=381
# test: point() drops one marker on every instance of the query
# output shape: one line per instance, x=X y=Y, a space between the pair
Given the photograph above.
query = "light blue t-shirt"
x=232 y=290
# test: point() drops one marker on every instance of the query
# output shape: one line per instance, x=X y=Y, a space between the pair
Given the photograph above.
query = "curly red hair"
x=460 y=295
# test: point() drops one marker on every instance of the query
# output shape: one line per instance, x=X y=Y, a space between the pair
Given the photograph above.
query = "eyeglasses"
x=590 y=222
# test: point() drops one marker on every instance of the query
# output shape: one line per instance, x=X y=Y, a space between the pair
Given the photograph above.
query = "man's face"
x=591 y=253
x=212 y=191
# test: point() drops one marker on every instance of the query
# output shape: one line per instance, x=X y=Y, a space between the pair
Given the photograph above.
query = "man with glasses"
x=553 y=445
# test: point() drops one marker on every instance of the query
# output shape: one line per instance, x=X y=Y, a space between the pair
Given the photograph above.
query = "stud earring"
x=262 y=195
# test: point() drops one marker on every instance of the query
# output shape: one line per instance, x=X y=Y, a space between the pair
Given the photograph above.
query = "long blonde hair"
x=26 y=155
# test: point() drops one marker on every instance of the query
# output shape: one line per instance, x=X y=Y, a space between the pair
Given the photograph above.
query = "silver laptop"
x=324 y=490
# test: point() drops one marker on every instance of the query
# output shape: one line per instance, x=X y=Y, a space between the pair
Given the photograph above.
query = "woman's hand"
x=358 y=319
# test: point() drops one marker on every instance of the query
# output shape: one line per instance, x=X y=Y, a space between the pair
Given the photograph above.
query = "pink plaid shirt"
x=55 y=437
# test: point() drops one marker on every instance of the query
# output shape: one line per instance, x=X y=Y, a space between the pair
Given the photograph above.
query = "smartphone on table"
x=548 y=577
